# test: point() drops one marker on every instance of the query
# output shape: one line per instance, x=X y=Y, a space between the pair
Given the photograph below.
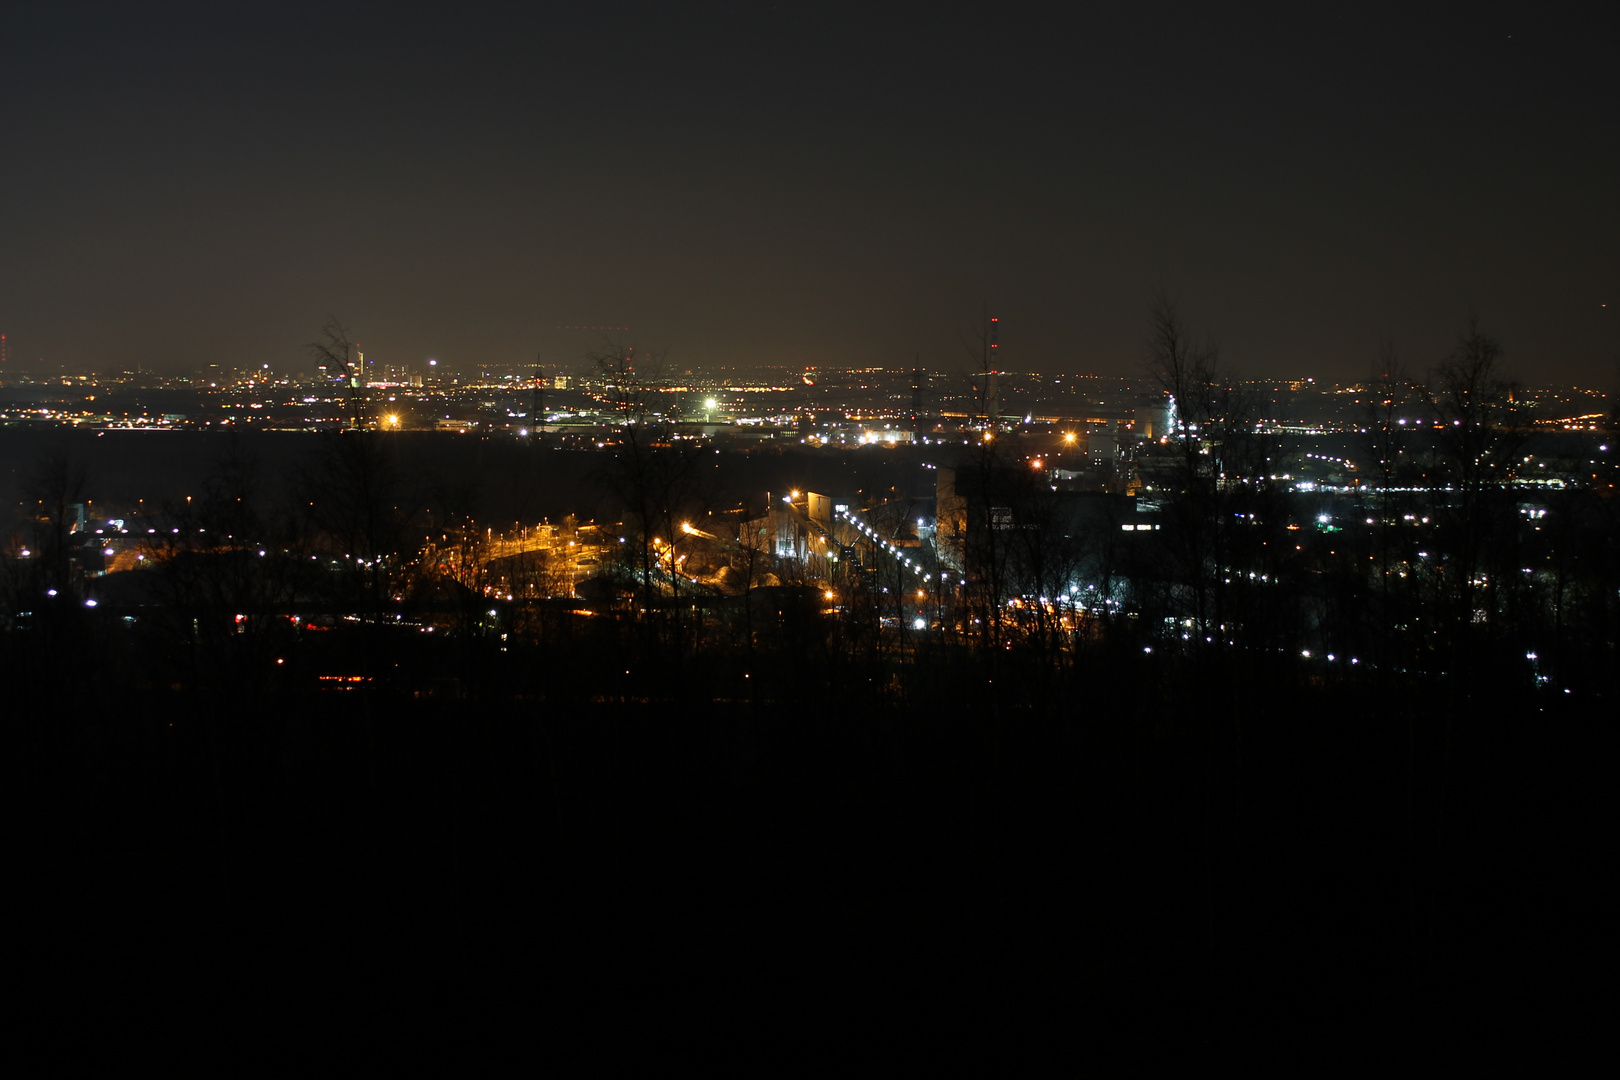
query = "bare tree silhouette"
x=337 y=357
x=56 y=487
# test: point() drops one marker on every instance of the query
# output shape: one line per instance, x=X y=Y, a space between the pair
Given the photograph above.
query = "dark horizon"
x=187 y=185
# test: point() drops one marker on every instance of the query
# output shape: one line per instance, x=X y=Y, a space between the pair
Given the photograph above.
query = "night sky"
x=807 y=183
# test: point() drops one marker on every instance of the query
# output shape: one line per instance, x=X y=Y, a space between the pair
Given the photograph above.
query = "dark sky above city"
x=807 y=183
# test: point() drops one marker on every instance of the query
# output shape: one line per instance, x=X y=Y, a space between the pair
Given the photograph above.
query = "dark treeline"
x=131 y=468
x=293 y=744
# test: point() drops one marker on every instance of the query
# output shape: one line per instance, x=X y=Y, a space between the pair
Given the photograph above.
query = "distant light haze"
x=807 y=184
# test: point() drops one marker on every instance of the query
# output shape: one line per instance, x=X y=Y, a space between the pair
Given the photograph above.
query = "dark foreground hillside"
x=802 y=846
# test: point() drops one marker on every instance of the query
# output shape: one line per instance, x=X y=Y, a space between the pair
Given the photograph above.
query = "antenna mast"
x=916 y=394
x=537 y=410
x=989 y=389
